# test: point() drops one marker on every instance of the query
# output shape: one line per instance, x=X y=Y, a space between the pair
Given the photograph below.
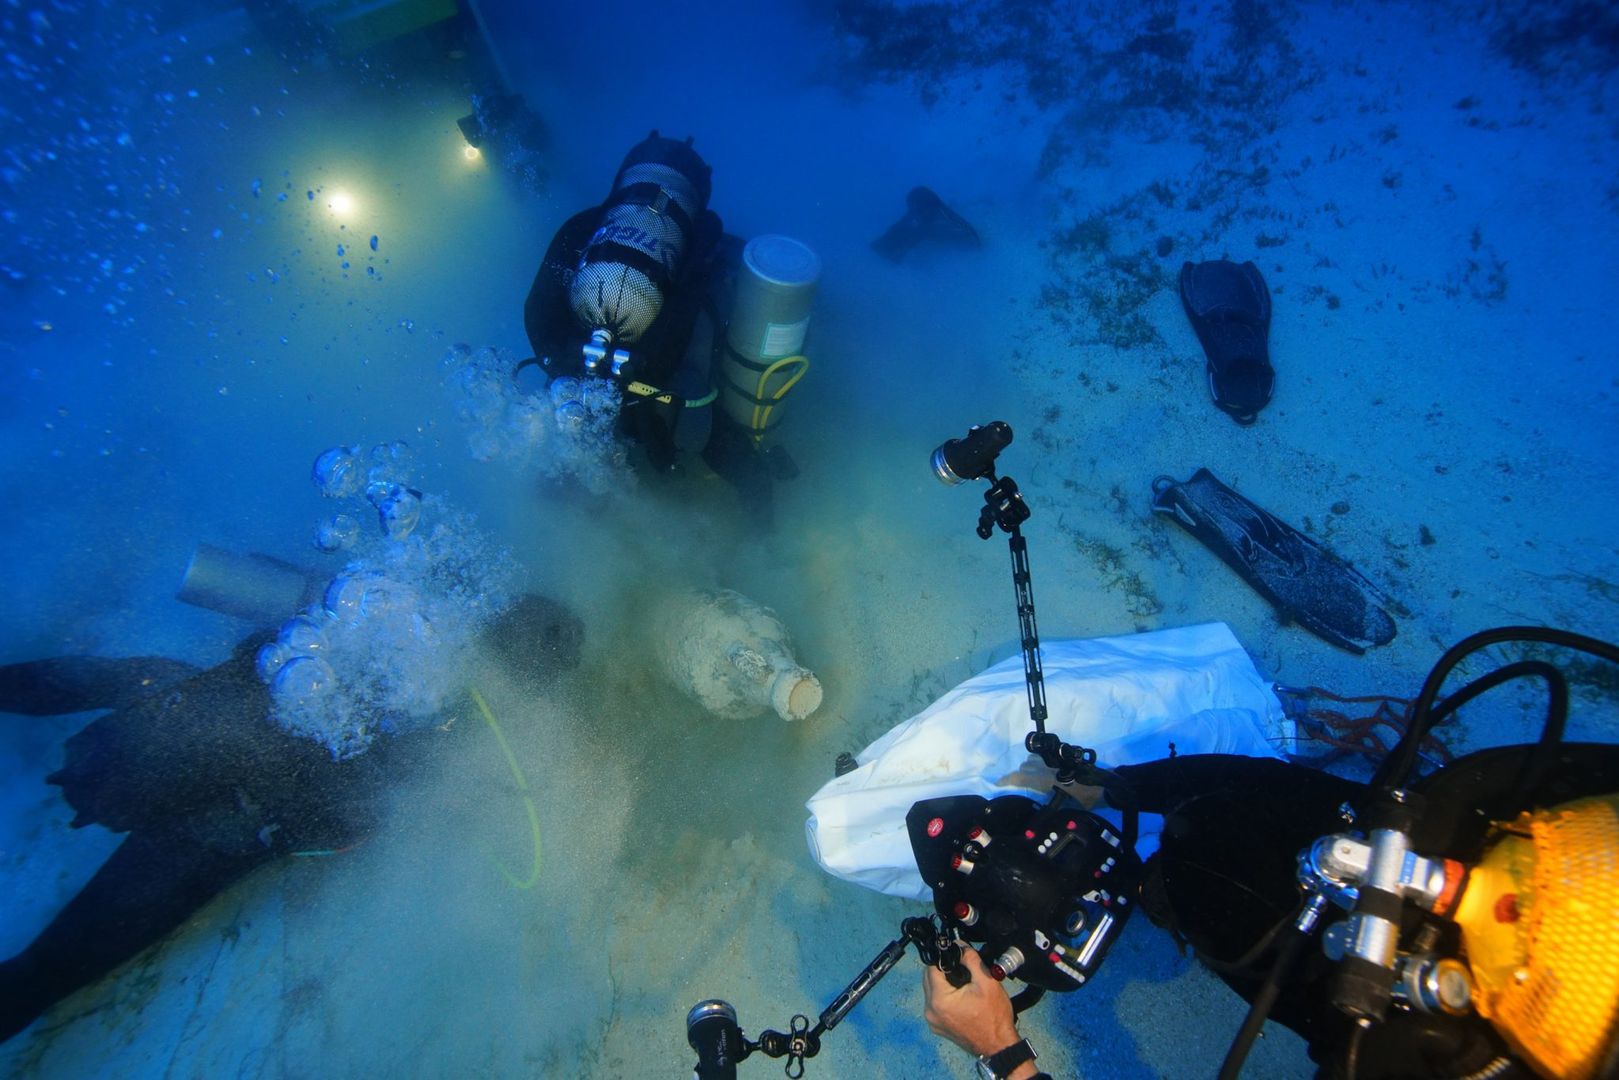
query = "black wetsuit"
x=1225 y=879
x=678 y=353
x=207 y=787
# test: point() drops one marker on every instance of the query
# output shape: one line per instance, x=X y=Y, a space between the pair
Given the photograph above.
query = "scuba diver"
x=208 y=787
x=648 y=290
x=1482 y=934
x=503 y=128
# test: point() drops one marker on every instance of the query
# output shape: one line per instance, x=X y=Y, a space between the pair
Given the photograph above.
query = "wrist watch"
x=997 y=1065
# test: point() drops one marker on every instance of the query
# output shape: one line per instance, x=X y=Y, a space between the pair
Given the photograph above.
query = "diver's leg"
x=652 y=431
x=731 y=454
x=68 y=684
x=149 y=886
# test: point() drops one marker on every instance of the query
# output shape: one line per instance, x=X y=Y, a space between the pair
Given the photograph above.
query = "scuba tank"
x=641 y=243
x=764 y=342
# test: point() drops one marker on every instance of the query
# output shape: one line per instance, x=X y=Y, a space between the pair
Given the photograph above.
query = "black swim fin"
x=1304 y=580
x=1229 y=306
x=926 y=218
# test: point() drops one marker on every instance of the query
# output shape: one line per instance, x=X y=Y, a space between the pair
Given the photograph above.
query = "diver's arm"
x=977 y=1016
x=69 y=684
x=553 y=332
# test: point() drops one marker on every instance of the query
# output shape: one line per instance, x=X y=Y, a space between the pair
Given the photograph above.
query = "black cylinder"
x=712 y=1031
x=971 y=457
x=1362 y=989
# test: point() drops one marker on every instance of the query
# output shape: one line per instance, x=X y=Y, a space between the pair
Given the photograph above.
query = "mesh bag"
x=1557 y=1008
x=617 y=297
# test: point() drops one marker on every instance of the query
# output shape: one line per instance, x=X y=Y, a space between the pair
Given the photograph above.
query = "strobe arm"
x=936 y=946
x=1005 y=509
x=1034 y=676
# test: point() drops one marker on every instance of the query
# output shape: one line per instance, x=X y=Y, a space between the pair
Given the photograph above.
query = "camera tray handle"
x=935 y=945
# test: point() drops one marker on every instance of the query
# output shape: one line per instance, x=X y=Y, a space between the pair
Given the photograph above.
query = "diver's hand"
x=976 y=1017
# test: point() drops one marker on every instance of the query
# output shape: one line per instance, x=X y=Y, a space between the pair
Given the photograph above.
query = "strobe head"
x=712 y=1031
x=971 y=457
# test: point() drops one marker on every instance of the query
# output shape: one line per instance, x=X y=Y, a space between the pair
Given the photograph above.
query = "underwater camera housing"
x=1043 y=889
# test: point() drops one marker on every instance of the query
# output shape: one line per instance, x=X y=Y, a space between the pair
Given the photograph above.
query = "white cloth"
x=1127 y=698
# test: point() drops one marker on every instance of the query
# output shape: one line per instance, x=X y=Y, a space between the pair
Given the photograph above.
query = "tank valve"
x=1434 y=984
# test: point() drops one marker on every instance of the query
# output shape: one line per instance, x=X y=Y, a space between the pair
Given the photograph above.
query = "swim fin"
x=1229 y=307
x=1304 y=580
x=926 y=218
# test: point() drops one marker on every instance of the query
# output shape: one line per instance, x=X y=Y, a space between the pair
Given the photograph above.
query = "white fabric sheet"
x=1126 y=697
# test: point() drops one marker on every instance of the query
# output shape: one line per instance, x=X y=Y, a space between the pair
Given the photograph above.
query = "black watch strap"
x=1004 y=1061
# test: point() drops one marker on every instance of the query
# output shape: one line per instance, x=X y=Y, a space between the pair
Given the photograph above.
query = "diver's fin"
x=926 y=218
x=1305 y=581
x=1229 y=306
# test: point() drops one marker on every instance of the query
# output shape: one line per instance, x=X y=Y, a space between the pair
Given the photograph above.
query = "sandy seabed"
x=1436 y=227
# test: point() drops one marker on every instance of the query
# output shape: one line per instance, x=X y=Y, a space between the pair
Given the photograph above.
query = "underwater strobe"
x=712 y=1031
x=972 y=457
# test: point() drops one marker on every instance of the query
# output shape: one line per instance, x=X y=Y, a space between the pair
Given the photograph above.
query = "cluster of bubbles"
x=385 y=649
x=383 y=476
x=567 y=429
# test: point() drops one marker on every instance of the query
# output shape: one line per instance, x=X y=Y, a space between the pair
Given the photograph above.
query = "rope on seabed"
x=522 y=786
x=1347 y=734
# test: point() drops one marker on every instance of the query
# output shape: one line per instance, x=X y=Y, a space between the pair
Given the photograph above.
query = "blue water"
x=226 y=251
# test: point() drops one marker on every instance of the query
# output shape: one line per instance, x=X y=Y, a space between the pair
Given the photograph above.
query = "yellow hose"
x=761 y=413
x=522 y=786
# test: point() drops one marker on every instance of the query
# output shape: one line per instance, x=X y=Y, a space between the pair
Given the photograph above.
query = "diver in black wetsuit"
x=637 y=289
x=208 y=788
x=1226 y=881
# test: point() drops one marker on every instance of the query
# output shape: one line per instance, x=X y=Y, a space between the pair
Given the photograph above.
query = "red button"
x=936 y=826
